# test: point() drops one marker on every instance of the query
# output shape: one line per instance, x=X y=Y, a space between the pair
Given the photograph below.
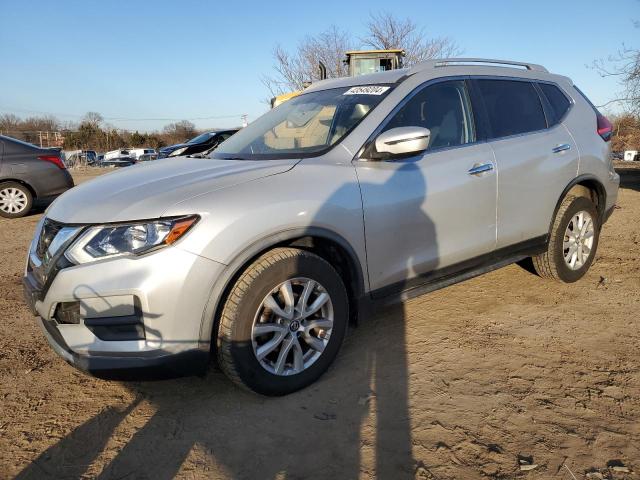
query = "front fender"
x=237 y=223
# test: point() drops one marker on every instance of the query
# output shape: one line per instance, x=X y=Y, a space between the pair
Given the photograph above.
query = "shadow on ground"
x=361 y=408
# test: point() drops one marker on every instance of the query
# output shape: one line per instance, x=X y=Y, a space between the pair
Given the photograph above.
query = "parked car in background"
x=366 y=189
x=205 y=141
x=118 y=162
x=113 y=154
x=29 y=175
x=74 y=158
x=631 y=155
x=143 y=154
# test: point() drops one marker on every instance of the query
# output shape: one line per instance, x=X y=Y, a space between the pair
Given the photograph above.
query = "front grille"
x=49 y=231
x=46 y=257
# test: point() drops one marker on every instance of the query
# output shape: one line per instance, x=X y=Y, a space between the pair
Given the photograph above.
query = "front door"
x=435 y=209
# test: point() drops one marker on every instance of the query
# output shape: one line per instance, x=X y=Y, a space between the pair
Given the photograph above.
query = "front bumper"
x=165 y=293
x=189 y=361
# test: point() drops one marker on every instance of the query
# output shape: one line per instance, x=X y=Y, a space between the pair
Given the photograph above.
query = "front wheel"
x=283 y=322
x=572 y=243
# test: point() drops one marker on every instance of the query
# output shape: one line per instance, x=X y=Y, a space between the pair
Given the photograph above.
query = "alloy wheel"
x=578 y=240
x=292 y=326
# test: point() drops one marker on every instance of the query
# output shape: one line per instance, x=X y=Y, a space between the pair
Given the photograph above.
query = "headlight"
x=105 y=241
x=177 y=152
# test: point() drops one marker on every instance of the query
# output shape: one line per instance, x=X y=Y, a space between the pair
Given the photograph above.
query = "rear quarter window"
x=558 y=102
x=513 y=107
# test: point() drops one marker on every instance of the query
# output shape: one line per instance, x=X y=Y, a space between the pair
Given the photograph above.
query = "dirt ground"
x=502 y=376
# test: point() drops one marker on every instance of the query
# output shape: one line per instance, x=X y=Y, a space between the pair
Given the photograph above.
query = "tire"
x=15 y=200
x=552 y=263
x=247 y=309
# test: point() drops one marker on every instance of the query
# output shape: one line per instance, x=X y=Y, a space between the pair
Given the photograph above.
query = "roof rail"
x=452 y=62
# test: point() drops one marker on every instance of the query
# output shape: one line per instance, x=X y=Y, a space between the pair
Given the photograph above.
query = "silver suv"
x=366 y=189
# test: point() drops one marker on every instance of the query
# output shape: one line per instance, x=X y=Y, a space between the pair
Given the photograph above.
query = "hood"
x=147 y=190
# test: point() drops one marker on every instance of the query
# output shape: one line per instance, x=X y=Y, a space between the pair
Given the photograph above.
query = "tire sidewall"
x=246 y=364
x=565 y=273
x=26 y=191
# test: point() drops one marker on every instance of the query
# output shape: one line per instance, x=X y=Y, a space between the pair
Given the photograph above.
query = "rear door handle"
x=477 y=169
x=561 y=148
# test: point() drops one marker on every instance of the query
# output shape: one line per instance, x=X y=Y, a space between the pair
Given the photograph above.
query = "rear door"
x=535 y=154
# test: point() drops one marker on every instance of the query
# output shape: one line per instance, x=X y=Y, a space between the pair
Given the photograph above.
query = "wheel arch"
x=324 y=242
x=21 y=182
x=584 y=185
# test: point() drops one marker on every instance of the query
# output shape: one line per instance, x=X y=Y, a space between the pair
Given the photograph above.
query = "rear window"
x=513 y=107
x=558 y=102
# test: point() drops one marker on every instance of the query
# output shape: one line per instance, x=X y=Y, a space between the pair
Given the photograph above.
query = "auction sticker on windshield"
x=367 y=90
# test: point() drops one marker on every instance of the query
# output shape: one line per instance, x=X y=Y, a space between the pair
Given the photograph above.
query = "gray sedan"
x=29 y=175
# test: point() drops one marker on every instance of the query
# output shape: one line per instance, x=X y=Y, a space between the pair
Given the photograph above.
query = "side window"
x=513 y=107
x=558 y=102
x=444 y=108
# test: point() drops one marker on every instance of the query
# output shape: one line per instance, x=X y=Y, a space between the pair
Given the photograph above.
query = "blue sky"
x=192 y=59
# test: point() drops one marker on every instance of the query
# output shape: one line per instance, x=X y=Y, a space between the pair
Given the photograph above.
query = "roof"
x=458 y=66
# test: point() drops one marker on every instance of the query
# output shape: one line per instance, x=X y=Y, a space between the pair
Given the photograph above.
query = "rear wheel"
x=572 y=243
x=15 y=200
x=283 y=322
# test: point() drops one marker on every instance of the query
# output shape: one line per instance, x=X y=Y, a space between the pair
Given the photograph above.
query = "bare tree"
x=384 y=31
x=92 y=118
x=625 y=65
x=9 y=122
x=387 y=32
x=294 y=70
x=180 y=131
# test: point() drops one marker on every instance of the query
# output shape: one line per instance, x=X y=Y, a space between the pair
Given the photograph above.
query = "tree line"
x=91 y=133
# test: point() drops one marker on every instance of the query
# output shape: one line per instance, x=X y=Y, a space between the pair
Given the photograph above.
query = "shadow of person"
x=355 y=419
x=71 y=456
x=395 y=220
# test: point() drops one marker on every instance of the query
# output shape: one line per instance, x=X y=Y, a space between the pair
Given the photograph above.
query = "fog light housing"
x=68 y=313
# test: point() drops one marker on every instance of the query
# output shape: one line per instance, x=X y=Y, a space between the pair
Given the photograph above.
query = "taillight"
x=605 y=129
x=56 y=160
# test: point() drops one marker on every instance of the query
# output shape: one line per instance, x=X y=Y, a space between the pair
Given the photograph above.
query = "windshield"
x=305 y=126
x=201 y=138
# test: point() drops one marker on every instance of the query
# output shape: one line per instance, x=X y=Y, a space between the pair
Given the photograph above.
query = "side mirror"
x=402 y=141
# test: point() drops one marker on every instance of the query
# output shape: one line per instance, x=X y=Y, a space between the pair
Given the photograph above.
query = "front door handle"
x=561 y=148
x=477 y=169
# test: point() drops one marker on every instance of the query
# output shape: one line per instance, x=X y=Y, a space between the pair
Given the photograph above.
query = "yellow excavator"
x=359 y=62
